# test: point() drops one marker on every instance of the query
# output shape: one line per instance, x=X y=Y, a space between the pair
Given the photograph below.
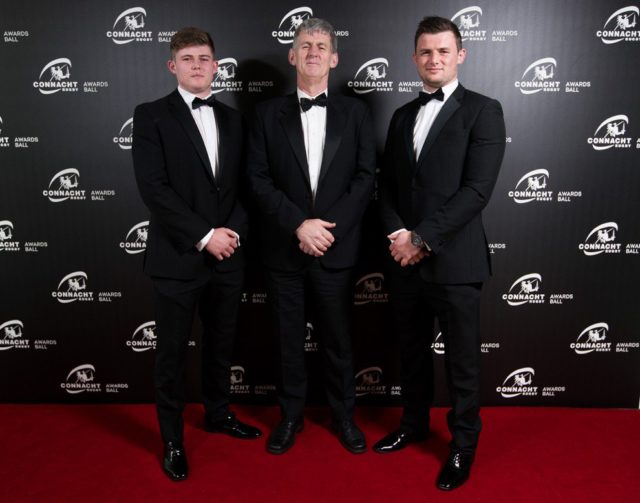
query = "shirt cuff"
x=203 y=242
x=394 y=234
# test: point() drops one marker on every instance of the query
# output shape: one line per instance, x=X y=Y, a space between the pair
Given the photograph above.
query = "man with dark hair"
x=188 y=153
x=442 y=158
x=311 y=168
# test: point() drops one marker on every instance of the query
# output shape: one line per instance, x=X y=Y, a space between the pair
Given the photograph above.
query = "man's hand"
x=403 y=251
x=314 y=236
x=222 y=244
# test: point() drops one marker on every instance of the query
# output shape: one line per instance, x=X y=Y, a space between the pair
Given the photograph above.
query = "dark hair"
x=189 y=36
x=435 y=24
x=315 y=25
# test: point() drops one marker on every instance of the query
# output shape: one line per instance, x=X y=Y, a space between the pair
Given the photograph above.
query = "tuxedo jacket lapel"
x=447 y=110
x=183 y=115
x=407 y=133
x=292 y=125
x=334 y=129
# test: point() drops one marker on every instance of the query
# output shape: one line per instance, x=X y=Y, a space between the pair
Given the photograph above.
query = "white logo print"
x=370 y=288
x=225 y=77
x=601 y=240
x=538 y=77
x=124 y=140
x=531 y=187
x=63 y=186
x=610 y=133
x=81 y=379
x=468 y=20
x=144 y=337
x=593 y=338
x=619 y=26
x=136 y=239
x=6 y=230
x=289 y=24
x=73 y=287
x=519 y=382
x=11 y=336
x=55 y=76
x=371 y=77
x=128 y=27
x=525 y=290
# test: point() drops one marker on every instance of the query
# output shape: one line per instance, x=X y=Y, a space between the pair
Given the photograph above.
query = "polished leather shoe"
x=455 y=471
x=174 y=463
x=230 y=425
x=283 y=436
x=351 y=437
x=397 y=440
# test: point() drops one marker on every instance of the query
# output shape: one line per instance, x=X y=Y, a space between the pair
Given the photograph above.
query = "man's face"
x=312 y=56
x=437 y=58
x=194 y=67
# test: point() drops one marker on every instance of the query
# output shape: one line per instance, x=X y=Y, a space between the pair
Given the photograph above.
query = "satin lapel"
x=292 y=125
x=407 y=131
x=447 y=110
x=336 y=122
x=181 y=112
x=224 y=139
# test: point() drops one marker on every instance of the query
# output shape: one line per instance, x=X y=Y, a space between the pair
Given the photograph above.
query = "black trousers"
x=216 y=299
x=415 y=305
x=332 y=296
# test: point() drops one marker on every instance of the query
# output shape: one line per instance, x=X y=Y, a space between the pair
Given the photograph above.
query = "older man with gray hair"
x=311 y=165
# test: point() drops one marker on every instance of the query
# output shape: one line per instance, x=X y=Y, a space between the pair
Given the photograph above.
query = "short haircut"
x=188 y=37
x=315 y=25
x=435 y=24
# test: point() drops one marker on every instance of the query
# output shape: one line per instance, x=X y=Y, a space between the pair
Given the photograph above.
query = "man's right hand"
x=222 y=244
x=314 y=236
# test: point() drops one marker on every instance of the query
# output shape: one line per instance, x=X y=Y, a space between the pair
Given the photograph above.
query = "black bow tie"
x=199 y=102
x=320 y=101
x=424 y=98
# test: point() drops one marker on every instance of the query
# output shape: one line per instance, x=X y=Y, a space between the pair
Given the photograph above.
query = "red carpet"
x=111 y=453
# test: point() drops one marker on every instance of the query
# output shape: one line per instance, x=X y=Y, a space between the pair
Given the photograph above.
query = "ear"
x=171 y=65
x=215 y=66
x=462 y=54
x=292 y=57
x=334 y=60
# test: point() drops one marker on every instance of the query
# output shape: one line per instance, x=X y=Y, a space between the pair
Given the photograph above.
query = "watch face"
x=416 y=240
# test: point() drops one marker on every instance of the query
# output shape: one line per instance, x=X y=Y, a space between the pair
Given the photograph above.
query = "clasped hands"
x=403 y=251
x=315 y=237
x=222 y=244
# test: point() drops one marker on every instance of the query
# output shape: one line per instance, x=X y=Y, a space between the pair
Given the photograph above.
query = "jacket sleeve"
x=387 y=182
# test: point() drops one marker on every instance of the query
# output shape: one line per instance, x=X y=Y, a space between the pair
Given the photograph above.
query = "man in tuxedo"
x=311 y=167
x=188 y=154
x=442 y=158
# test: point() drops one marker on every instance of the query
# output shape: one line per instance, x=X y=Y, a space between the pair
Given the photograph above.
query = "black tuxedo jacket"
x=442 y=194
x=279 y=179
x=175 y=179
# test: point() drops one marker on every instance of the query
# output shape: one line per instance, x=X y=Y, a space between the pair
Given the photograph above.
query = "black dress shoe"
x=397 y=440
x=230 y=425
x=456 y=470
x=174 y=463
x=351 y=437
x=284 y=435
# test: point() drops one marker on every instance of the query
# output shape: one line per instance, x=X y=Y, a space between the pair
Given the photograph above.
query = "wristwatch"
x=416 y=240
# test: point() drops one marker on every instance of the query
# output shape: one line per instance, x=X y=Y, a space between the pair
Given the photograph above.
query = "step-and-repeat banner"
x=561 y=317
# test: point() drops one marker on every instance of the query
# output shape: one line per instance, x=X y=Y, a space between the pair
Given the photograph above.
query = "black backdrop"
x=561 y=324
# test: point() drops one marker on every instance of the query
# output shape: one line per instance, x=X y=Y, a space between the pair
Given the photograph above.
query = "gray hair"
x=314 y=25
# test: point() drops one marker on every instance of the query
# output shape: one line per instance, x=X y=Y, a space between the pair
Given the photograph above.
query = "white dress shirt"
x=314 y=127
x=427 y=114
